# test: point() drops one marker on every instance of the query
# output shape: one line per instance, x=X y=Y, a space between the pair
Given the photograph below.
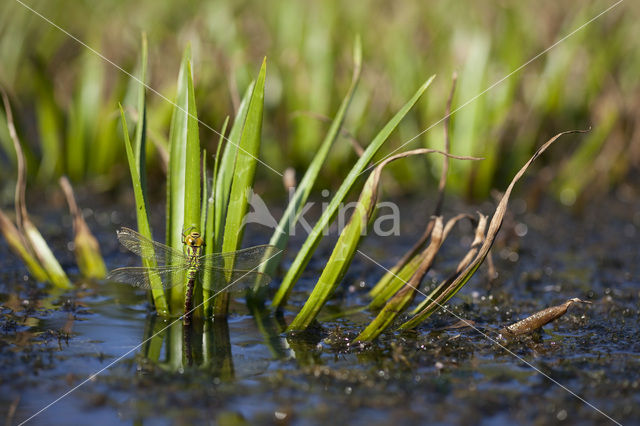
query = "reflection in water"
x=204 y=344
x=271 y=329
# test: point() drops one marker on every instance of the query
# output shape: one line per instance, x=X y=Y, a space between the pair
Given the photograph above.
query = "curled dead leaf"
x=538 y=319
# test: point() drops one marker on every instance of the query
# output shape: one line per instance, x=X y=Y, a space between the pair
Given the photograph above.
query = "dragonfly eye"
x=194 y=240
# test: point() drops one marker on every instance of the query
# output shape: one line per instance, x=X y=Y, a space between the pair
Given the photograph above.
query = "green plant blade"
x=17 y=243
x=157 y=292
x=244 y=171
x=183 y=179
x=83 y=115
x=204 y=185
x=154 y=337
x=140 y=140
x=494 y=227
x=395 y=281
x=289 y=218
x=208 y=228
x=408 y=263
x=341 y=256
x=226 y=167
x=312 y=241
x=44 y=254
x=348 y=241
x=86 y=247
x=192 y=161
x=177 y=157
x=191 y=179
x=405 y=296
x=50 y=124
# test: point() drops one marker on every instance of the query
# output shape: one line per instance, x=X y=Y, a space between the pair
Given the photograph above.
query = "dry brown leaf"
x=539 y=319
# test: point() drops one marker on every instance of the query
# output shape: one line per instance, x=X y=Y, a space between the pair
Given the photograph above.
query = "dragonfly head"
x=194 y=239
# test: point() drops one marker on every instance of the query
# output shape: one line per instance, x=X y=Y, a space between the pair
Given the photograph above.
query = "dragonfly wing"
x=141 y=276
x=148 y=249
x=237 y=280
x=244 y=260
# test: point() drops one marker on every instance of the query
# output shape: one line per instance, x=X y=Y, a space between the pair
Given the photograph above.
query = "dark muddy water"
x=245 y=371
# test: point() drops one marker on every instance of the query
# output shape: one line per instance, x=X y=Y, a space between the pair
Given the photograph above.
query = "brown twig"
x=21 y=184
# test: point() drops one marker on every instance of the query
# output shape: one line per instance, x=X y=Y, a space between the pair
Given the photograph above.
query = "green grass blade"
x=16 y=243
x=243 y=175
x=50 y=124
x=191 y=181
x=226 y=167
x=204 y=187
x=177 y=158
x=468 y=121
x=183 y=179
x=157 y=291
x=408 y=263
x=44 y=254
x=154 y=337
x=86 y=247
x=341 y=256
x=395 y=282
x=287 y=222
x=103 y=151
x=312 y=241
x=348 y=241
x=208 y=228
x=192 y=161
x=140 y=139
x=5 y=143
x=83 y=116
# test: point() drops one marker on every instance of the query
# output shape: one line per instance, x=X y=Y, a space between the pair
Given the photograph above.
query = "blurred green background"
x=65 y=96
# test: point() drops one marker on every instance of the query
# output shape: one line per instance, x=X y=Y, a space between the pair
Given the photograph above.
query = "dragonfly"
x=235 y=270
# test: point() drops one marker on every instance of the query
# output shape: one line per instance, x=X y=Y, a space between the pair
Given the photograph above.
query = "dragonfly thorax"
x=193 y=244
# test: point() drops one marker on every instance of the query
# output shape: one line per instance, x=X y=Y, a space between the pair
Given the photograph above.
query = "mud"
x=245 y=371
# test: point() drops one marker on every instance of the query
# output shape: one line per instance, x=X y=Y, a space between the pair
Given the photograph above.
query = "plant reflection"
x=204 y=344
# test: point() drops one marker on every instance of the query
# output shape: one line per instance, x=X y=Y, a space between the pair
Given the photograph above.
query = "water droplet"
x=521 y=229
x=562 y=415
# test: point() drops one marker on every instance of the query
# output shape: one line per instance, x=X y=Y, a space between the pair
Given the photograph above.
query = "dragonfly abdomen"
x=192 y=273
